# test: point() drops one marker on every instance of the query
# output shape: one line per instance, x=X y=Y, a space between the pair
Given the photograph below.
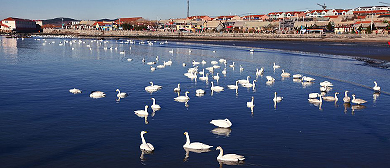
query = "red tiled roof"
x=275 y=13
x=16 y=19
x=332 y=16
x=318 y=11
x=3 y=25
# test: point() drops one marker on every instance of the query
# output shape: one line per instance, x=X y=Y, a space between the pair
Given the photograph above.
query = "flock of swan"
x=193 y=72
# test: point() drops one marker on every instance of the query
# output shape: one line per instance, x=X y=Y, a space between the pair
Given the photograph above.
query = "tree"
x=329 y=27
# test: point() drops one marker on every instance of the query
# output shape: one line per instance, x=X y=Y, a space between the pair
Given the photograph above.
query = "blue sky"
x=159 y=9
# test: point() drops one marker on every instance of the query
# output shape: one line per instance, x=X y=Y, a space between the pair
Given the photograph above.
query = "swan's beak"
x=146 y=131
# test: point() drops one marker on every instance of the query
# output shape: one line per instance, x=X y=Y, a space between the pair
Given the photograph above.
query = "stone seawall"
x=220 y=36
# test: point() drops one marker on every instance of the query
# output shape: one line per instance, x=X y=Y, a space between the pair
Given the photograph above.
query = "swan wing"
x=199 y=145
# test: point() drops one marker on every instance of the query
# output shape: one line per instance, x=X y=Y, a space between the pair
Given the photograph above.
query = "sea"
x=42 y=124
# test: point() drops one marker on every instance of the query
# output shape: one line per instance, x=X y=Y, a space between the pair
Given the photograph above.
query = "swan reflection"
x=375 y=96
x=357 y=107
x=143 y=116
x=297 y=80
x=346 y=106
x=306 y=84
x=143 y=152
x=222 y=131
x=230 y=163
x=188 y=150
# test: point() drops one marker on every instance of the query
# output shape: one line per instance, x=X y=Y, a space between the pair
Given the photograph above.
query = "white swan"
x=152 y=88
x=184 y=64
x=199 y=91
x=183 y=98
x=297 y=76
x=155 y=106
x=233 y=86
x=142 y=112
x=152 y=68
x=326 y=83
x=357 y=101
x=331 y=98
x=251 y=103
x=204 y=78
x=177 y=89
x=242 y=81
x=376 y=87
x=241 y=68
x=285 y=74
x=275 y=66
x=277 y=98
x=148 y=147
x=216 y=77
x=75 y=91
x=151 y=63
x=229 y=157
x=195 y=145
x=224 y=71
x=313 y=95
x=161 y=66
x=252 y=50
x=308 y=79
x=232 y=65
x=210 y=69
x=195 y=63
x=270 y=78
x=214 y=62
x=170 y=51
x=97 y=94
x=204 y=62
x=248 y=85
x=216 y=88
x=201 y=72
x=259 y=72
x=346 y=98
x=223 y=123
x=157 y=86
x=325 y=88
x=316 y=100
x=120 y=94
x=169 y=63
x=222 y=60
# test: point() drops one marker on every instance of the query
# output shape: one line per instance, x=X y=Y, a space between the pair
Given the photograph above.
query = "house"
x=104 y=25
x=19 y=25
x=372 y=8
x=255 y=17
x=199 y=18
x=227 y=18
x=276 y=15
x=133 y=20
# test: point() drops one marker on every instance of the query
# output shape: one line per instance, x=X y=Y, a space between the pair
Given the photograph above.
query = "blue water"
x=43 y=125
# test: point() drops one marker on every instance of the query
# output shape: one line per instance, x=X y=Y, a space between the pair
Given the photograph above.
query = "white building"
x=20 y=25
x=372 y=8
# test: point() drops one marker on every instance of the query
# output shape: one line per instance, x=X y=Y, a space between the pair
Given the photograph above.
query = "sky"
x=160 y=9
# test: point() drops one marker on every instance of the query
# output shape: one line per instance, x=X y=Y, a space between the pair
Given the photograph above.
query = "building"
x=372 y=8
x=19 y=25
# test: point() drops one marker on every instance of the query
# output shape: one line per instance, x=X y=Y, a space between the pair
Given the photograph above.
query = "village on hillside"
x=360 y=20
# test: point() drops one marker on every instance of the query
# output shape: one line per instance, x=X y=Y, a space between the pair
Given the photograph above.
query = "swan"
x=224 y=71
x=120 y=94
x=233 y=86
x=145 y=146
x=151 y=63
x=142 y=112
x=222 y=60
x=195 y=145
x=214 y=51
x=297 y=76
x=214 y=62
x=204 y=78
x=326 y=83
x=157 y=86
x=308 y=79
x=189 y=50
x=129 y=59
x=169 y=62
x=156 y=58
x=216 y=88
x=97 y=94
x=177 y=89
x=251 y=50
x=223 y=123
x=357 y=101
x=204 y=62
x=183 y=98
x=346 y=98
x=170 y=51
x=229 y=157
x=331 y=98
x=155 y=106
x=259 y=72
x=216 y=66
x=248 y=85
x=313 y=95
x=152 y=87
x=316 y=100
x=195 y=63
x=276 y=66
x=250 y=104
x=232 y=65
x=285 y=74
x=242 y=81
x=184 y=64
x=277 y=99
x=199 y=91
x=161 y=66
x=325 y=88
x=270 y=78
x=210 y=69
x=241 y=68
x=152 y=68
x=75 y=91
x=376 y=87
x=216 y=77
x=143 y=59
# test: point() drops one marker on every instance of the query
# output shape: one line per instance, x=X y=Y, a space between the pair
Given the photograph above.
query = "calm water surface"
x=43 y=125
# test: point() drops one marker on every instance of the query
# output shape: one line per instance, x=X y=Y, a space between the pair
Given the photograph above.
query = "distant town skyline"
x=159 y=9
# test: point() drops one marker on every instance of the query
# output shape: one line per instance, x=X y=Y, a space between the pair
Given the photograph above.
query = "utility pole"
x=188 y=8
